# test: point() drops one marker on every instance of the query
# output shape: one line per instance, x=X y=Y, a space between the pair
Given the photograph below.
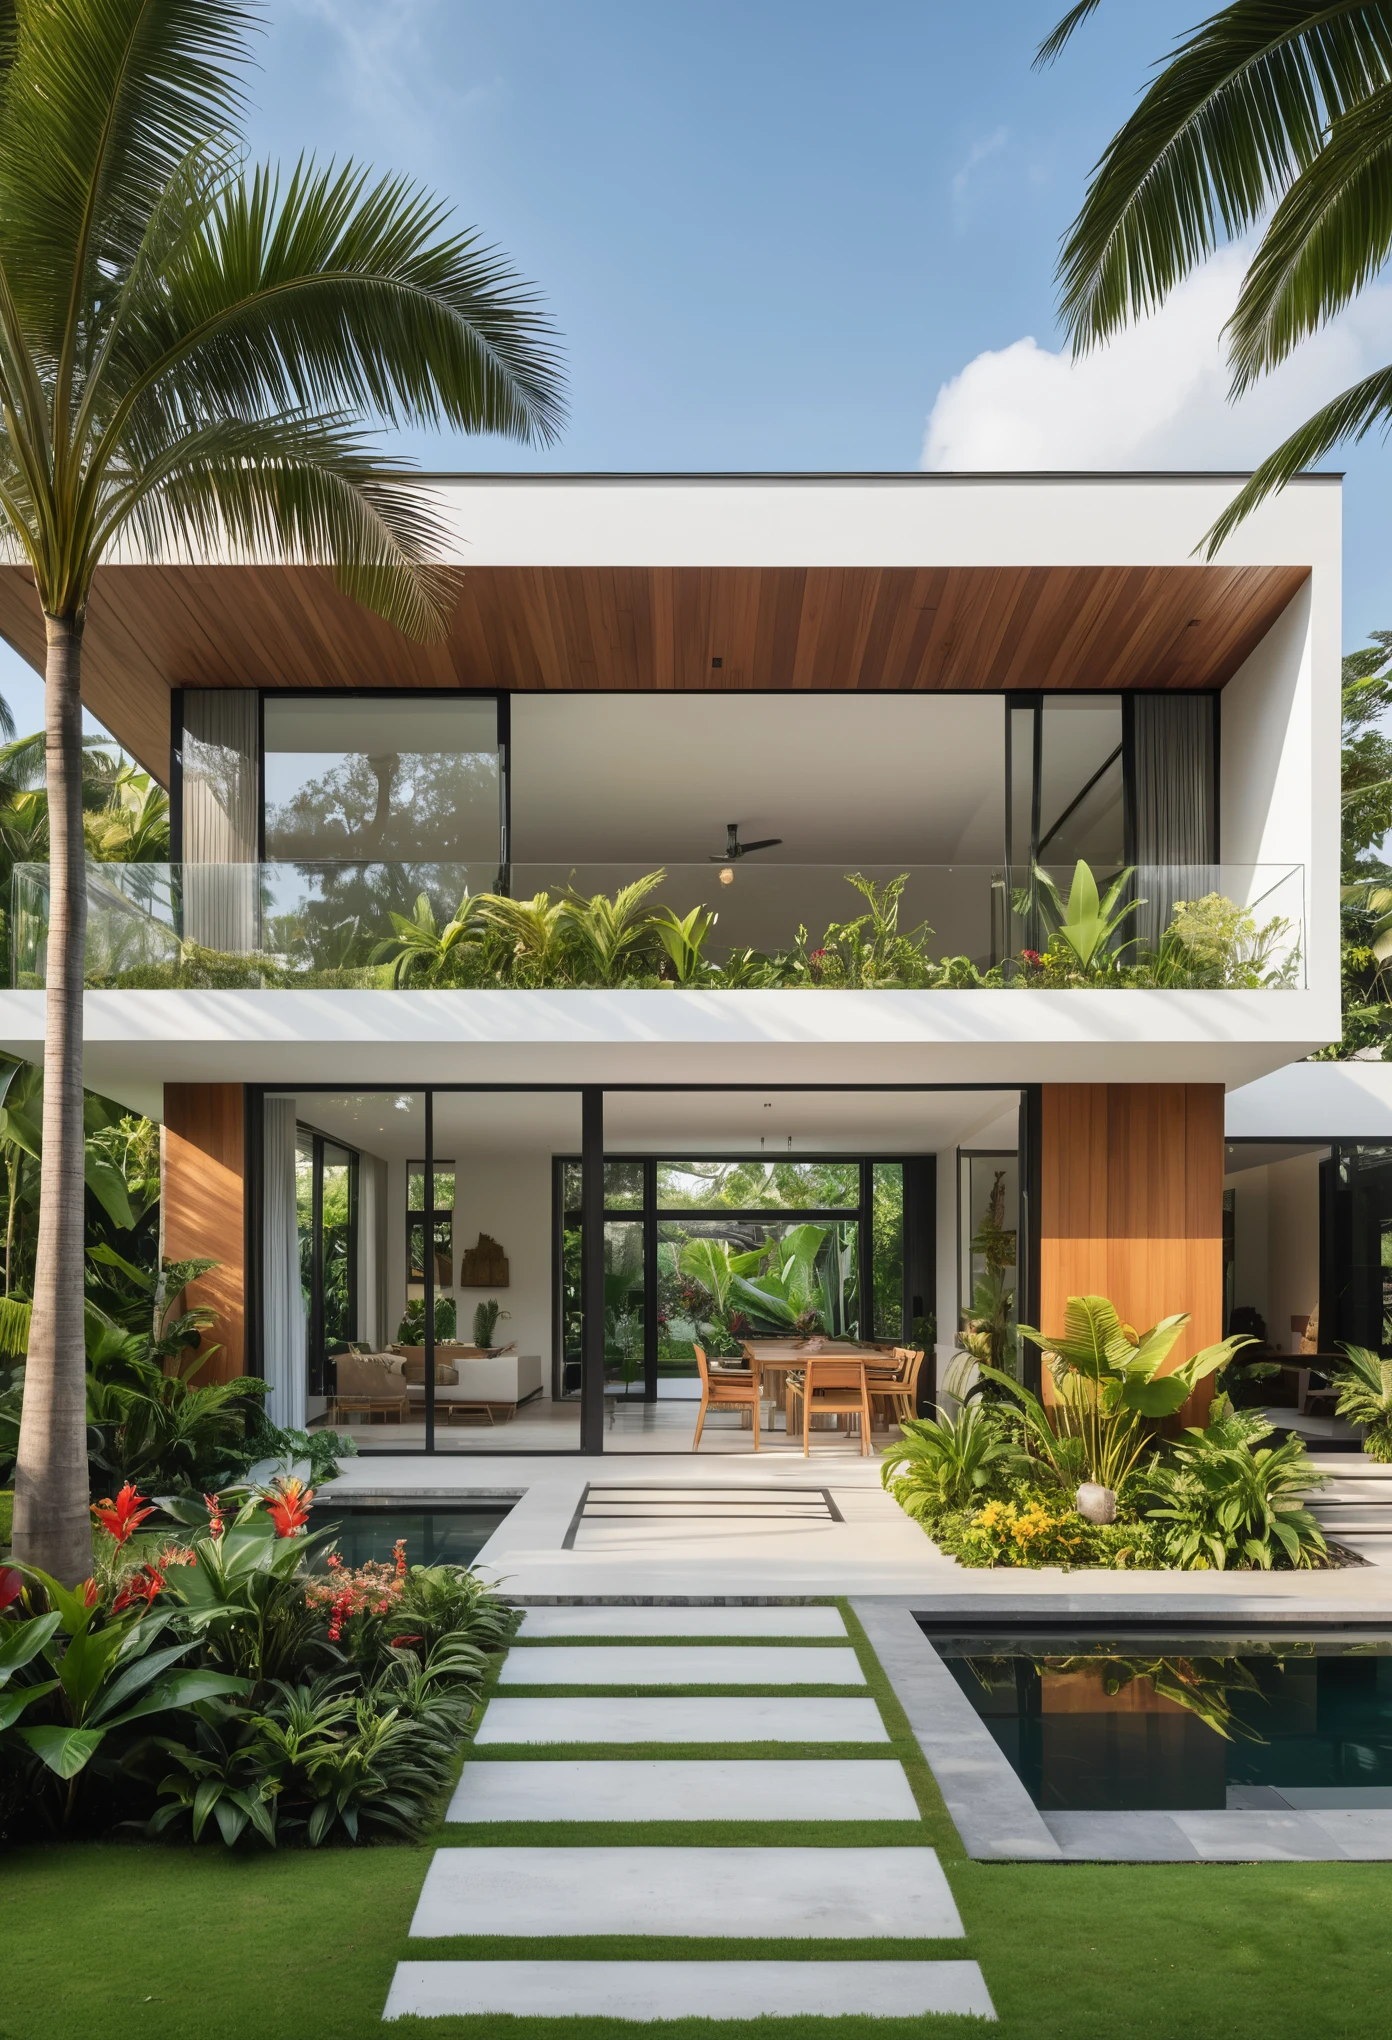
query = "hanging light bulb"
x=727 y=874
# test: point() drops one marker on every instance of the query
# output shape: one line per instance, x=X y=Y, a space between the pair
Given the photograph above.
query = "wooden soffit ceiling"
x=151 y=629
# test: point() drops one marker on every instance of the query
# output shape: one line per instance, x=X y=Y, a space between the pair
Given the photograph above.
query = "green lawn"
x=139 y=1942
x=142 y=1943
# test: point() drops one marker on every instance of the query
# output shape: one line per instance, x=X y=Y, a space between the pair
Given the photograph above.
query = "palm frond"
x=1238 y=111
x=298 y=489
x=1329 y=237
x=1350 y=416
x=333 y=294
x=1052 y=46
x=99 y=109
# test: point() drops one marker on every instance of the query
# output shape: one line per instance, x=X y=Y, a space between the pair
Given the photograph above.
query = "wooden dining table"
x=779 y=1357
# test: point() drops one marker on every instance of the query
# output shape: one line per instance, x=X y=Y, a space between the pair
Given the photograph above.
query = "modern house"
x=958 y=680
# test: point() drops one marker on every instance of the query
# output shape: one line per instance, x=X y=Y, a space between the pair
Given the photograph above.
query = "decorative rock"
x=1096 y=1503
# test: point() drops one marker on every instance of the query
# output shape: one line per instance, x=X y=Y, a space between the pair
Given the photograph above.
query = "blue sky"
x=786 y=233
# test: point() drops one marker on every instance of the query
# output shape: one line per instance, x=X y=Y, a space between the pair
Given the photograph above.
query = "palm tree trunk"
x=52 y=1526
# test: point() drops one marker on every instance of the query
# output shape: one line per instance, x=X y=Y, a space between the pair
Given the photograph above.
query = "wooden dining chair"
x=832 y=1387
x=899 y=1391
x=721 y=1391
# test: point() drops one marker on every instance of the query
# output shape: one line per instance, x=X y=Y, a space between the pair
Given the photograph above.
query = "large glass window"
x=326 y=1211
x=382 y=778
x=988 y=1234
x=713 y=1250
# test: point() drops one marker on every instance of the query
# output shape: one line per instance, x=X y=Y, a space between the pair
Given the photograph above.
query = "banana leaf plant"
x=1110 y=1392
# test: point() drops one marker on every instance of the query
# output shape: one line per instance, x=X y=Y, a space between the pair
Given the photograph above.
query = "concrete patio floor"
x=767 y=1527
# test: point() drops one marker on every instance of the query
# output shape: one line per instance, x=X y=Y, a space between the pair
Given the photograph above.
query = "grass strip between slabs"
x=516 y=1690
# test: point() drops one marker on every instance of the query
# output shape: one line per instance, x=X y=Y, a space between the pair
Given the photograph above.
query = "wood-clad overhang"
x=151 y=629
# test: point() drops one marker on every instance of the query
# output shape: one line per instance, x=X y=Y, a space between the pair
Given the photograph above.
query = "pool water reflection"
x=444 y=1535
x=1184 y=1721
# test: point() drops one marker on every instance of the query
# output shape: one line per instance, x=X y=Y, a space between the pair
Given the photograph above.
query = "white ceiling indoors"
x=657 y=777
x=673 y=1123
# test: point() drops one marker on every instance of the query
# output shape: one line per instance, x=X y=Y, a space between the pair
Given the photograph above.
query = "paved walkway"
x=745 y=1528
x=653 y=1883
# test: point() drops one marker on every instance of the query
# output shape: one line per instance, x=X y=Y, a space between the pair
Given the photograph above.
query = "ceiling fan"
x=734 y=849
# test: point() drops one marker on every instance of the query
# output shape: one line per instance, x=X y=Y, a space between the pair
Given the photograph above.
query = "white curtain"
x=220 y=796
x=283 y=1319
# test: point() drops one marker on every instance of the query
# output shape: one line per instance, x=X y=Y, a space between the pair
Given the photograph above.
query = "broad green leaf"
x=1146 y=1359
x=762 y=1302
x=21 y=1641
x=64 y=1750
x=108 y=1186
x=1162 y=1397
x=183 y=1689
x=134 y=1679
x=12 y=1705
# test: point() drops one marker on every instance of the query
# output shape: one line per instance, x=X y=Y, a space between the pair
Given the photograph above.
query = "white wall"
x=1279 y=772
x=509 y=1196
x=1314 y=1101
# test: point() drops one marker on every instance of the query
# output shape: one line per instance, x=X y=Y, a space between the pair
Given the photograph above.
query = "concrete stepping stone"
x=680 y=1664
x=760 y=1718
x=777 y=1894
x=685 y=1789
x=699 y=1990
x=541 y=1623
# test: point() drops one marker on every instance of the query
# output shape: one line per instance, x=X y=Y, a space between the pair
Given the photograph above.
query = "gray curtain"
x=220 y=820
x=282 y=1295
x=1173 y=805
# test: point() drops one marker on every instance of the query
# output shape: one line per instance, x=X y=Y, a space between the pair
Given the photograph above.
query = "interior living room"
x=855 y=1221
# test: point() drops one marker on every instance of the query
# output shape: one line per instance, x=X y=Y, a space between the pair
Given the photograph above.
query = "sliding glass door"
x=326 y=1206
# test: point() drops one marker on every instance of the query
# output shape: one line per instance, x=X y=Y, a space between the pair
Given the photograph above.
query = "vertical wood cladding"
x=204 y=1208
x=1131 y=1204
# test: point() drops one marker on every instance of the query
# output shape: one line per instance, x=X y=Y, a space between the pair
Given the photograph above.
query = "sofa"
x=499 y=1380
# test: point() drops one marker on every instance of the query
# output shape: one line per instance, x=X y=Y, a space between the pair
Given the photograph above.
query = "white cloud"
x=1156 y=397
x=976 y=156
x=388 y=65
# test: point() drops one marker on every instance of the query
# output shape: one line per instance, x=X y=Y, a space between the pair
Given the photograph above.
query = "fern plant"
x=1365 y=1397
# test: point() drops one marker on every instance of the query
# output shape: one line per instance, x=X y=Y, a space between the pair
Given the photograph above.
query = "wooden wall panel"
x=203 y=1192
x=1131 y=1203
x=151 y=629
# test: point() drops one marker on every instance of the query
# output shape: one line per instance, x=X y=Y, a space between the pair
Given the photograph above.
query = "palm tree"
x=190 y=348
x=1269 y=114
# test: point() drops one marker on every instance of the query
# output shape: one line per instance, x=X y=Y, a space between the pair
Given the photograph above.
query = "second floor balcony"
x=733 y=926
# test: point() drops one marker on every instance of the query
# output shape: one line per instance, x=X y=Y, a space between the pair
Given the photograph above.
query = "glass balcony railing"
x=756 y=923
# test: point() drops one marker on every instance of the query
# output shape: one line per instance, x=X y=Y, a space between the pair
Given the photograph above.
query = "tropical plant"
x=1199 y=1685
x=1087 y=923
x=1268 y=118
x=109 y=1669
x=486 y=1316
x=1213 y=941
x=243 y=1597
x=1364 y=1383
x=1217 y=1502
x=411 y=1330
x=421 y=950
x=186 y=346
x=605 y=934
x=162 y=1429
x=870 y=950
x=946 y=1462
x=684 y=939
x=536 y=929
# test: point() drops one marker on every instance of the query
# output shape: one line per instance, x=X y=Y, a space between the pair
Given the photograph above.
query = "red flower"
x=399 y=1552
x=121 y=1518
x=11 y=1585
x=214 y=1507
x=403 y=1642
x=88 y=1591
x=341 y=1609
x=1031 y=957
x=142 y=1586
x=288 y=1508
